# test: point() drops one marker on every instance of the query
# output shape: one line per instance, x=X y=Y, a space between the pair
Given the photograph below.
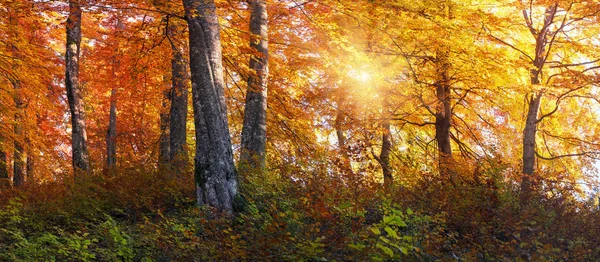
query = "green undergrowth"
x=147 y=215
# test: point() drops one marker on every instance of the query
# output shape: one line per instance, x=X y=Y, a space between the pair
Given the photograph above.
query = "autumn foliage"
x=392 y=131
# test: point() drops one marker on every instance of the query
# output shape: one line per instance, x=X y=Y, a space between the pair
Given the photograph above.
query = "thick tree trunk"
x=78 y=130
x=164 y=140
x=111 y=134
x=179 y=105
x=216 y=179
x=254 y=132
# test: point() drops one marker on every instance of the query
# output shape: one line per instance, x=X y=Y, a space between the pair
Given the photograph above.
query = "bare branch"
x=588 y=154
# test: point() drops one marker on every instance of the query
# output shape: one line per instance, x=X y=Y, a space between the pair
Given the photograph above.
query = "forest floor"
x=147 y=215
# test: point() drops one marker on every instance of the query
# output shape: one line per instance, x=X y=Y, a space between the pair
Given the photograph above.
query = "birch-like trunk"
x=216 y=178
x=78 y=130
x=254 y=132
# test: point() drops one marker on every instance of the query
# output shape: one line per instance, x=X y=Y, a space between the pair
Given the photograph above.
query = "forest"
x=299 y=130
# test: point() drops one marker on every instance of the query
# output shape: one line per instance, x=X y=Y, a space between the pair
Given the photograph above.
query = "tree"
x=4 y=178
x=78 y=130
x=111 y=133
x=19 y=151
x=216 y=179
x=254 y=131
x=386 y=146
x=561 y=71
x=179 y=101
x=164 y=149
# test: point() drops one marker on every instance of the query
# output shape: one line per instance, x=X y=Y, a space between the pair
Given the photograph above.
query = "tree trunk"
x=533 y=100
x=78 y=130
x=216 y=180
x=443 y=114
x=19 y=154
x=164 y=140
x=4 y=177
x=111 y=134
x=30 y=166
x=443 y=109
x=386 y=143
x=384 y=155
x=529 y=146
x=254 y=132
x=339 y=131
x=179 y=105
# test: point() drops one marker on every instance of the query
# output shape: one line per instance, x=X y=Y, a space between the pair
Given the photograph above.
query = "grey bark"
x=216 y=180
x=254 y=131
x=78 y=133
x=111 y=134
x=179 y=103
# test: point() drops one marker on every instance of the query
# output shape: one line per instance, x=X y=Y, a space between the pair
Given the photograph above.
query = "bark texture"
x=78 y=129
x=111 y=134
x=216 y=180
x=179 y=103
x=254 y=132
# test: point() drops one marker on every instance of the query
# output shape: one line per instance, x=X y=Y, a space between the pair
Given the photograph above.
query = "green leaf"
x=358 y=247
x=387 y=219
x=376 y=231
x=391 y=232
x=386 y=250
x=409 y=211
x=404 y=250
